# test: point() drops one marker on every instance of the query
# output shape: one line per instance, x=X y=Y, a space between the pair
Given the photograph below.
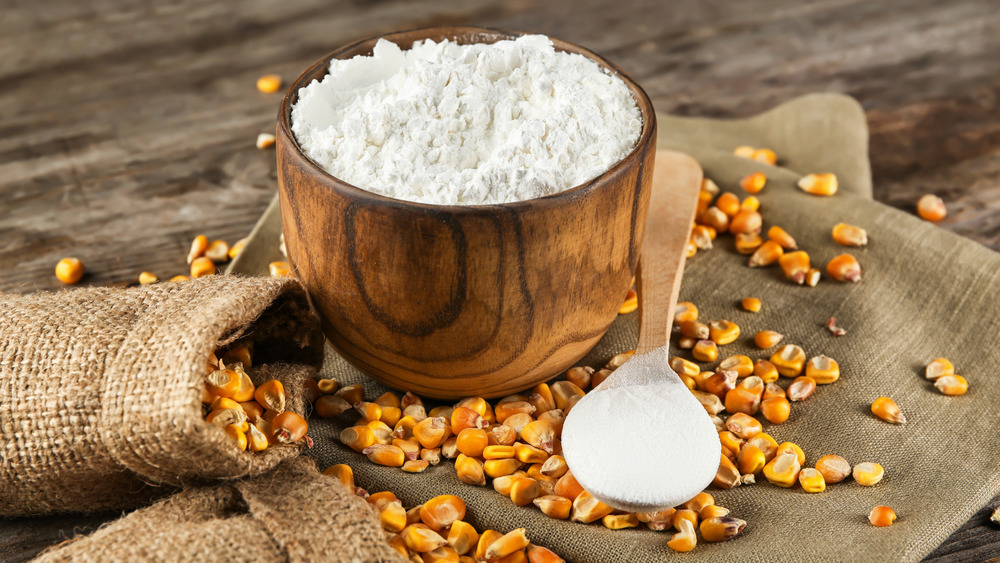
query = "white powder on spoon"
x=467 y=124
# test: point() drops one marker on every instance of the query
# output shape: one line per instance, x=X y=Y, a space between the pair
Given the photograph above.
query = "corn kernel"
x=256 y=440
x=766 y=371
x=801 y=388
x=750 y=459
x=766 y=156
x=819 y=184
x=867 y=473
x=265 y=140
x=728 y=203
x=744 y=151
x=565 y=393
x=768 y=253
x=620 y=521
x=754 y=183
x=887 y=409
x=685 y=539
x=271 y=395
x=485 y=539
x=748 y=243
x=705 y=351
x=781 y=236
x=711 y=403
x=743 y=425
x=881 y=516
x=540 y=434
x=683 y=514
x=776 y=409
x=529 y=454
x=342 y=473
x=783 y=470
x=713 y=511
x=470 y=470
x=751 y=203
x=789 y=360
x=631 y=302
x=951 y=385
x=146 y=278
x=727 y=476
x=765 y=339
x=723 y=332
x=237 y=435
x=720 y=383
x=812 y=480
x=823 y=370
x=715 y=218
x=751 y=304
x=554 y=506
x=507 y=544
x=795 y=266
x=358 y=438
x=441 y=511
x=849 y=235
x=844 y=268
x=690 y=249
x=288 y=427
x=684 y=367
x=223 y=382
x=721 y=528
x=539 y=554
x=695 y=329
x=931 y=208
x=745 y=221
x=580 y=376
x=586 y=508
x=179 y=278
x=392 y=516
x=432 y=431
x=236 y=248
x=939 y=367
x=740 y=400
x=812 y=277
x=422 y=539
x=202 y=267
x=684 y=312
x=462 y=537
x=269 y=83
x=387 y=455
x=833 y=468
x=279 y=269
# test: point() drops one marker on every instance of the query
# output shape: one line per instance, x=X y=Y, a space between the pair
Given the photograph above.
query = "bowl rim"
x=642 y=144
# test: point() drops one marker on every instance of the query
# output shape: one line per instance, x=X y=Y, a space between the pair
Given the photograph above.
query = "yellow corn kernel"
x=727 y=476
x=765 y=370
x=750 y=459
x=351 y=393
x=432 y=431
x=812 y=277
x=931 y=208
x=765 y=443
x=237 y=435
x=658 y=521
x=236 y=248
x=939 y=367
x=500 y=467
x=783 y=470
x=368 y=411
x=728 y=203
x=620 y=521
x=705 y=198
x=742 y=365
x=713 y=511
x=444 y=554
x=773 y=390
x=422 y=539
x=683 y=514
x=440 y=511
x=399 y=546
x=358 y=438
x=146 y=278
x=685 y=539
x=744 y=151
x=731 y=441
x=795 y=265
x=179 y=278
x=271 y=395
x=695 y=329
x=269 y=83
x=690 y=249
x=342 y=473
x=754 y=183
x=470 y=470
x=849 y=235
x=415 y=465
x=685 y=311
x=792 y=448
x=723 y=332
x=844 y=268
x=431 y=455
x=701 y=237
x=812 y=481
x=867 y=473
x=819 y=184
x=833 y=468
x=512 y=541
x=198 y=247
x=523 y=490
x=392 y=516
x=789 y=360
x=565 y=393
x=630 y=304
x=541 y=434
x=751 y=203
x=882 y=516
x=700 y=500
x=498 y=452
x=765 y=339
x=684 y=367
x=387 y=455
x=705 y=351
x=223 y=383
x=951 y=384
x=70 y=270
x=766 y=156
x=529 y=454
x=721 y=528
x=751 y=304
x=507 y=409
x=745 y=221
x=501 y=435
x=887 y=409
x=554 y=506
x=748 y=243
x=823 y=369
x=801 y=388
x=586 y=508
x=712 y=404
x=218 y=251
x=202 y=267
x=753 y=384
x=743 y=425
x=580 y=376
x=766 y=254
x=776 y=409
x=485 y=539
x=279 y=269
x=256 y=440
x=462 y=537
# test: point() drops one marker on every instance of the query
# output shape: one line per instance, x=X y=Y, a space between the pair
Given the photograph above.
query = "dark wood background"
x=128 y=126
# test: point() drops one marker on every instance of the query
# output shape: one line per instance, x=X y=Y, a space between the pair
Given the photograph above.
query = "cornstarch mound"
x=466 y=124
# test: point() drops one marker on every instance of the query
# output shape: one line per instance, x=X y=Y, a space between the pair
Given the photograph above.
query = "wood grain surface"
x=127 y=127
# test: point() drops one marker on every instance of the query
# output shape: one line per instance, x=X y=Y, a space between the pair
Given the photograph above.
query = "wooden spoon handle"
x=673 y=201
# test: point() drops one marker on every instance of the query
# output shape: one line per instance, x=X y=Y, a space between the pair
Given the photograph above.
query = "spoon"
x=640 y=441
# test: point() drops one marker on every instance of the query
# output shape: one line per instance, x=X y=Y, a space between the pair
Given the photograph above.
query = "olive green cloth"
x=924 y=293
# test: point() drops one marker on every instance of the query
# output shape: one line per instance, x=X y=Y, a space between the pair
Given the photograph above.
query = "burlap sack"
x=925 y=293
x=100 y=389
x=291 y=514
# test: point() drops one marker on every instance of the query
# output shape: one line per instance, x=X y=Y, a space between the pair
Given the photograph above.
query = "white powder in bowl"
x=473 y=124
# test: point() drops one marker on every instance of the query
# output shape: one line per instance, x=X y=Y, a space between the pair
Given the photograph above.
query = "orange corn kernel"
x=631 y=302
x=745 y=221
x=580 y=376
x=330 y=406
x=728 y=203
x=500 y=467
x=744 y=151
x=269 y=83
x=727 y=476
x=723 y=332
x=422 y=539
x=382 y=454
x=768 y=253
x=833 y=468
x=951 y=385
x=776 y=409
x=271 y=395
x=685 y=539
x=507 y=544
x=783 y=470
x=485 y=539
x=246 y=390
x=881 y=516
x=567 y=486
x=750 y=459
x=772 y=390
x=431 y=432
x=470 y=470
x=198 y=247
x=279 y=269
x=237 y=435
x=440 y=511
x=741 y=400
x=540 y=434
x=931 y=208
x=462 y=537
x=743 y=425
x=554 y=506
x=849 y=235
x=539 y=554
x=721 y=528
x=70 y=270
x=751 y=203
x=523 y=490
x=529 y=454
x=765 y=339
x=720 y=382
x=357 y=437
x=565 y=393
x=812 y=481
x=145 y=278
x=368 y=411
x=223 y=383
x=465 y=418
x=411 y=448
x=867 y=473
x=202 y=267
x=695 y=329
x=844 y=268
x=715 y=218
x=742 y=365
x=766 y=156
x=472 y=441
x=705 y=351
x=801 y=388
x=819 y=184
x=823 y=370
x=789 y=360
x=587 y=508
x=780 y=236
x=939 y=367
x=795 y=265
x=751 y=304
x=754 y=183
x=342 y=473
x=288 y=427
x=765 y=370
x=684 y=312
x=748 y=243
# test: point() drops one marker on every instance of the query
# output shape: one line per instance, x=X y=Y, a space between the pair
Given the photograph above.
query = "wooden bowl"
x=452 y=301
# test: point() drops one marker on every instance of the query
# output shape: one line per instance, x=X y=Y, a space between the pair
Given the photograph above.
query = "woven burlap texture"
x=100 y=389
x=925 y=293
x=290 y=514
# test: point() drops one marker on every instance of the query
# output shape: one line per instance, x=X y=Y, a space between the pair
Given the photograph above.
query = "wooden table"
x=127 y=127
